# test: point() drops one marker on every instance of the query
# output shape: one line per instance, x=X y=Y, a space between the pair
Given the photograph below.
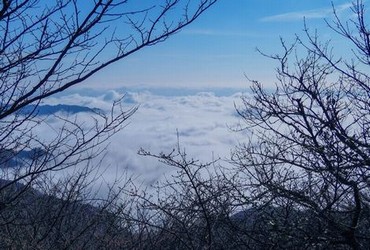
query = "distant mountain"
x=52 y=109
x=10 y=158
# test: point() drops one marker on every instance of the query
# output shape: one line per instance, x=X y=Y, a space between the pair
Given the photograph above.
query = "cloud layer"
x=202 y=121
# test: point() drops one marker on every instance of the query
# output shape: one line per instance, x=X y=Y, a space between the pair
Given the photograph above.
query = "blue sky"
x=220 y=47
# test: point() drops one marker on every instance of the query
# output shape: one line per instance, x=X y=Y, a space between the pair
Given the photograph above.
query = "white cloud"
x=202 y=121
x=211 y=32
x=308 y=14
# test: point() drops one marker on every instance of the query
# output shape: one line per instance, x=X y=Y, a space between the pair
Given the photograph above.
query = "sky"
x=219 y=49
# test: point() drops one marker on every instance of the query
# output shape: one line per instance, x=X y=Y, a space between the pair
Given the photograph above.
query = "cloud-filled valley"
x=201 y=120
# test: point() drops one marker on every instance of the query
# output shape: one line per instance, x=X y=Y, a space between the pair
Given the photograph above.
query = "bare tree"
x=45 y=48
x=308 y=151
x=190 y=209
x=301 y=181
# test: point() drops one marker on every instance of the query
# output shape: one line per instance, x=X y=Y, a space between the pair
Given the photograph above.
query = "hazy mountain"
x=52 y=109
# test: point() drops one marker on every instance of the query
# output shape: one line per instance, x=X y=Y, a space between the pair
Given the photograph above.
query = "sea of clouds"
x=202 y=122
